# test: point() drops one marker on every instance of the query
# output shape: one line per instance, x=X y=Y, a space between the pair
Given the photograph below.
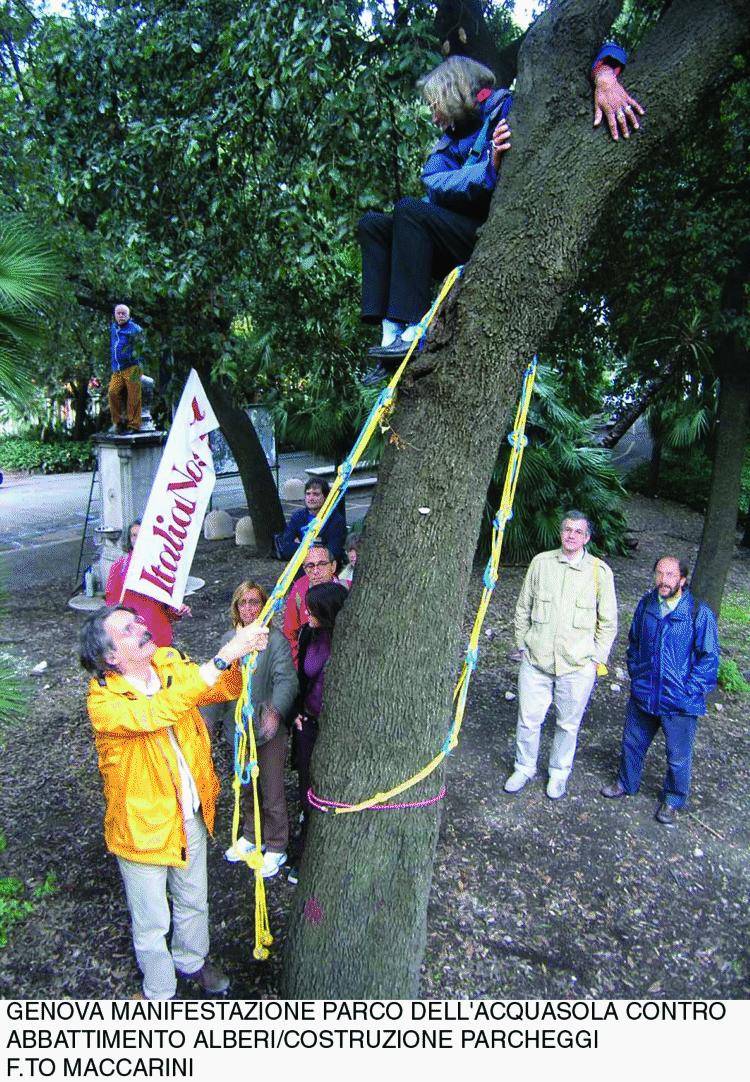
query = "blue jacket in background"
x=121 y=342
x=458 y=184
x=673 y=660
x=332 y=535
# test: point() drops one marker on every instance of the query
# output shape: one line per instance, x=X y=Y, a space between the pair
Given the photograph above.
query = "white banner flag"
x=179 y=496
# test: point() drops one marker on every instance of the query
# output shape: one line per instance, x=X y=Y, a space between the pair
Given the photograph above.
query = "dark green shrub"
x=17 y=453
x=685 y=477
x=562 y=468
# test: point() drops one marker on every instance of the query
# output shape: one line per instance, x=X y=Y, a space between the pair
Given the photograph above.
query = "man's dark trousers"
x=403 y=252
x=679 y=735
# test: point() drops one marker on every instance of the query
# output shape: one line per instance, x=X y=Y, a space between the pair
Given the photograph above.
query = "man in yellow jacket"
x=566 y=622
x=160 y=787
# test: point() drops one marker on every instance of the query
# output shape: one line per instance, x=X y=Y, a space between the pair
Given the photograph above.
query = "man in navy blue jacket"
x=673 y=661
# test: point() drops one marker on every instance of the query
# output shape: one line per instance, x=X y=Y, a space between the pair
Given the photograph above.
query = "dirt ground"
x=581 y=897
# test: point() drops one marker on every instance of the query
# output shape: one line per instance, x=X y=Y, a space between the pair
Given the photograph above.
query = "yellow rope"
x=505 y=511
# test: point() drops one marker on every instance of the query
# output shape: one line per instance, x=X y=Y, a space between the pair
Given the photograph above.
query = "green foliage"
x=562 y=468
x=12 y=699
x=17 y=453
x=686 y=478
x=15 y=904
x=207 y=163
x=47 y=888
x=29 y=279
x=731 y=679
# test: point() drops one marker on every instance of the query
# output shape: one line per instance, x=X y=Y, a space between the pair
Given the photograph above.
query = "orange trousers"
x=126 y=384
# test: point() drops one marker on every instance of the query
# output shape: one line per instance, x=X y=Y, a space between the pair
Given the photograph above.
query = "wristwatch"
x=221 y=664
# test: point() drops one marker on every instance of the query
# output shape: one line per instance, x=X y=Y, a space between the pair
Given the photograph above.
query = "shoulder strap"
x=492 y=117
x=596 y=577
x=476 y=151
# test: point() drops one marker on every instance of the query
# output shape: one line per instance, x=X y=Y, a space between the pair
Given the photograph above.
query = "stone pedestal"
x=127 y=466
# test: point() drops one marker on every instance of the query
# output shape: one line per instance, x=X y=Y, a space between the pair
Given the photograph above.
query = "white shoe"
x=516 y=782
x=238 y=852
x=272 y=862
x=556 y=788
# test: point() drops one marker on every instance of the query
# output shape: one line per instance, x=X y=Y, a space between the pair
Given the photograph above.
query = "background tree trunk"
x=80 y=396
x=630 y=414
x=654 y=466
x=262 y=497
x=358 y=923
x=462 y=30
x=732 y=431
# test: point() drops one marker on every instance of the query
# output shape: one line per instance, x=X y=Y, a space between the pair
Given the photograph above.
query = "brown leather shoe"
x=614 y=790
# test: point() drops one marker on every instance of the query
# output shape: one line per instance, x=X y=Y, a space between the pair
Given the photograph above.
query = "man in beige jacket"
x=566 y=622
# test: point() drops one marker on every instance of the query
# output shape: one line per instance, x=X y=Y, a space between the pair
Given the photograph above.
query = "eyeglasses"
x=311 y=567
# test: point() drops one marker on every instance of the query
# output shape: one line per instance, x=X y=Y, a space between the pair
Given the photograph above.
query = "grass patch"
x=736 y=609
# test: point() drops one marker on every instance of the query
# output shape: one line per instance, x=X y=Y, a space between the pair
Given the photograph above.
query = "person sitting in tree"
x=426 y=238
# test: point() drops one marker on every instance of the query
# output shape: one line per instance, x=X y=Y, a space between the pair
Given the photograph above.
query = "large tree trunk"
x=262 y=498
x=358 y=924
x=732 y=430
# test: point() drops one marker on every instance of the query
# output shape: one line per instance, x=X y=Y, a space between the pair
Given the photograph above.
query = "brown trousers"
x=126 y=384
x=271 y=758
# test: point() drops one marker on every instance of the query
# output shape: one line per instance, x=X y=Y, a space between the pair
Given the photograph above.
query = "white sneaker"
x=272 y=862
x=239 y=851
x=556 y=788
x=516 y=782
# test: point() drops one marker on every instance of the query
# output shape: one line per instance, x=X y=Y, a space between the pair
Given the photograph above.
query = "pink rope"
x=320 y=804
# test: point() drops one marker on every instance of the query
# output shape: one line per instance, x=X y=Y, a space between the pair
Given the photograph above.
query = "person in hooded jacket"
x=673 y=662
x=423 y=239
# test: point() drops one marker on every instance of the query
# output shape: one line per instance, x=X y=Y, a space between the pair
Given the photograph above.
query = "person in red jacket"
x=157 y=617
x=319 y=567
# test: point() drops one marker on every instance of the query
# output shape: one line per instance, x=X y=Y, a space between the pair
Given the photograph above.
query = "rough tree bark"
x=732 y=364
x=358 y=925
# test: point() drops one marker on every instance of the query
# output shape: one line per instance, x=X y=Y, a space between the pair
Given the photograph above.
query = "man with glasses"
x=319 y=567
x=566 y=622
x=160 y=787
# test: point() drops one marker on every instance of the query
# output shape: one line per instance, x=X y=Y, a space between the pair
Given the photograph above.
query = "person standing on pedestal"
x=126 y=373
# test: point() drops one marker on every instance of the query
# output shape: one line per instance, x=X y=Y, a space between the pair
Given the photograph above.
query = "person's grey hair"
x=578 y=516
x=95 y=642
x=353 y=541
x=125 y=543
x=452 y=87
